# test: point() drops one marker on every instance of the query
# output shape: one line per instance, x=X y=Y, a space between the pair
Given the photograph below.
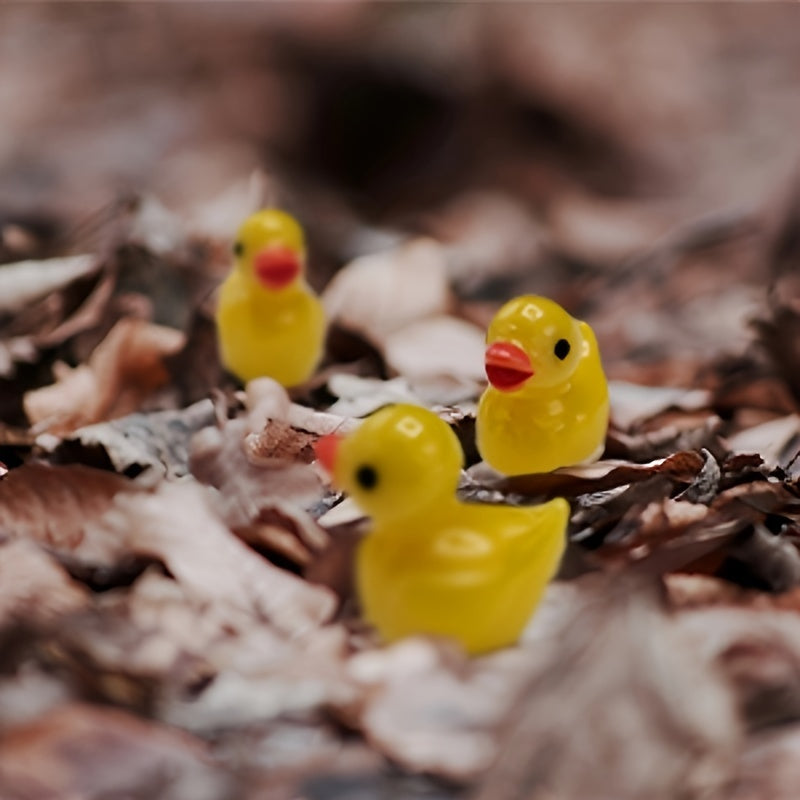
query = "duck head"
x=532 y=344
x=402 y=460
x=270 y=250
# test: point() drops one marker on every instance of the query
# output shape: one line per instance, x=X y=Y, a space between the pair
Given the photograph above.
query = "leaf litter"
x=177 y=612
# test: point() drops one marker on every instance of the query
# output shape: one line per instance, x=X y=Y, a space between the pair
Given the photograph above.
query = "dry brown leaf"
x=33 y=587
x=381 y=293
x=53 y=506
x=124 y=369
x=779 y=335
x=178 y=525
x=666 y=434
x=89 y=752
x=279 y=441
x=600 y=476
x=219 y=458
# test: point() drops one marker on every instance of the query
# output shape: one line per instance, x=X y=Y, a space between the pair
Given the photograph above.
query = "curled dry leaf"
x=381 y=293
x=53 y=505
x=26 y=281
x=680 y=467
x=124 y=369
x=178 y=525
x=157 y=443
x=33 y=587
x=90 y=752
x=279 y=441
x=221 y=458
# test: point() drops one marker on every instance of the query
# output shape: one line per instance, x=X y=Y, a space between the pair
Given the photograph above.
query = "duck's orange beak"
x=276 y=266
x=507 y=366
x=326 y=449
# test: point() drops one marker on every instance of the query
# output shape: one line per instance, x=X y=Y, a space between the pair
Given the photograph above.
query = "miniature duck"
x=269 y=322
x=546 y=405
x=432 y=564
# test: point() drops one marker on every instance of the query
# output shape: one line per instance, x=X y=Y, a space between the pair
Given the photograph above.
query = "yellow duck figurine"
x=546 y=405
x=431 y=564
x=269 y=322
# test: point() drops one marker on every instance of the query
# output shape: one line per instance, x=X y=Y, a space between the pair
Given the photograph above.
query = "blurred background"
x=638 y=162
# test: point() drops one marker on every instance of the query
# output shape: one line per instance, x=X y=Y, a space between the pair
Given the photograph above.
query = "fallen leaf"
x=33 y=587
x=631 y=403
x=122 y=371
x=680 y=467
x=779 y=334
x=221 y=458
x=424 y=712
x=91 y=752
x=25 y=281
x=359 y=397
x=775 y=441
x=381 y=293
x=582 y=713
x=53 y=506
x=178 y=525
x=757 y=648
x=157 y=443
x=769 y=767
x=441 y=357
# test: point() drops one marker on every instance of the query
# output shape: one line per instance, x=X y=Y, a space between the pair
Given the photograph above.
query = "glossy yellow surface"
x=431 y=564
x=559 y=415
x=263 y=331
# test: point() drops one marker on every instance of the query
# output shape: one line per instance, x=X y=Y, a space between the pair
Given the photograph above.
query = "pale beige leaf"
x=25 y=281
x=78 y=752
x=33 y=586
x=124 y=369
x=52 y=505
x=441 y=357
x=178 y=525
x=380 y=293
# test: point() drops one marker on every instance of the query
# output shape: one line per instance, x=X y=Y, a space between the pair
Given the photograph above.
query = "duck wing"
x=542 y=534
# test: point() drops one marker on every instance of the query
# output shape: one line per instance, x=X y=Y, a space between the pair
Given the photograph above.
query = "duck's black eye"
x=367 y=477
x=238 y=249
x=561 y=349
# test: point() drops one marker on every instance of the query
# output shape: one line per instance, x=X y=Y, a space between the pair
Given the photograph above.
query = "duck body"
x=264 y=333
x=269 y=321
x=430 y=563
x=557 y=415
x=472 y=573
